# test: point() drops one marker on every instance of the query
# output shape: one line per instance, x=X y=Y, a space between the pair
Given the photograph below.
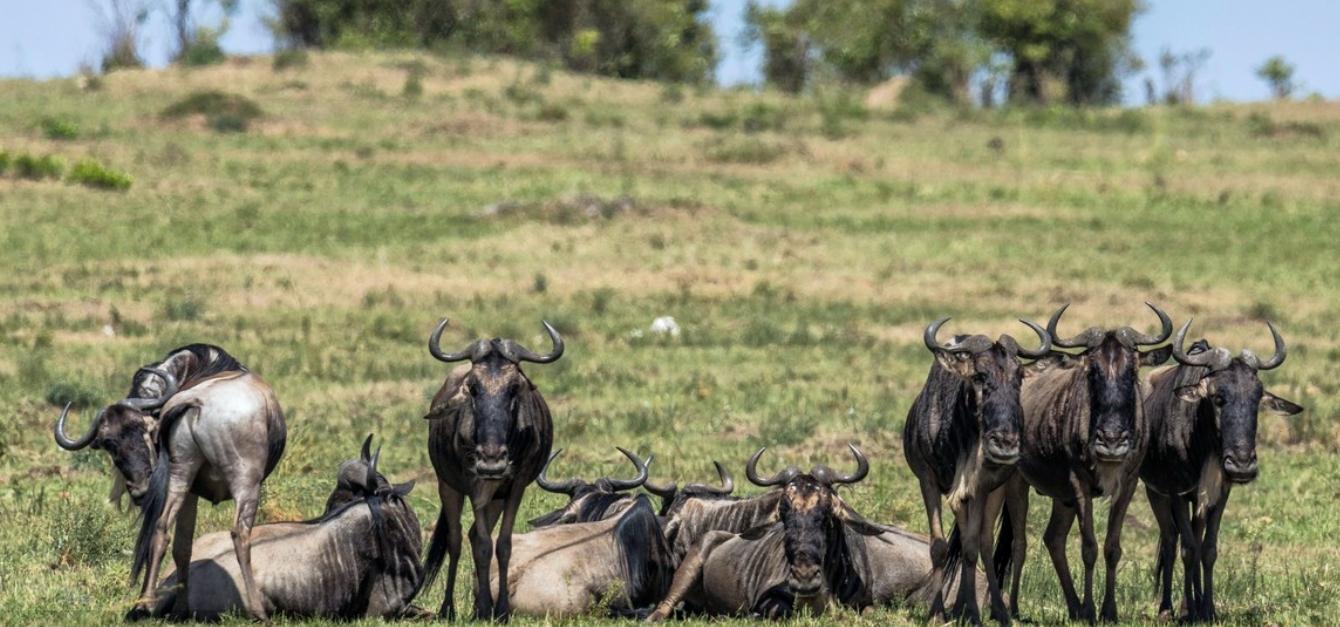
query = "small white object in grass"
x=665 y=325
x=108 y=330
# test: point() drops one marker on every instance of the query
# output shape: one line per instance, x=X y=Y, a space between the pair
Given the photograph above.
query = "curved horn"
x=435 y=347
x=64 y=441
x=521 y=353
x=662 y=490
x=563 y=487
x=751 y=471
x=1199 y=359
x=1280 y=351
x=727 y=482
x=1043 y=335
x=635 y=482
x=1083 y=340
x=146 y=404
x=376 y=457
x=1165 y=329
x=862 y=469
x=366 y=454
x=932 y=330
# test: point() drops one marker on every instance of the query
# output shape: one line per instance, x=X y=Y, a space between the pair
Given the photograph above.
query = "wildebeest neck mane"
x=192 y=364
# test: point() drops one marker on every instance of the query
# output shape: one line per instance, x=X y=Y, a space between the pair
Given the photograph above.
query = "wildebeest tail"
x=645 y=553
x=1004 y=545
x=1165 y=553
x=437 y=552
x=151 y=509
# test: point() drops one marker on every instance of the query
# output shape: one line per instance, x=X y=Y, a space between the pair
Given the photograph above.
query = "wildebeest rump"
x=219 y=433
x=1202 y=439
x=1084 y=436
x=589 y=501
x=620 y=562
x=489 y=434
x=961 y=440
x=360 y=558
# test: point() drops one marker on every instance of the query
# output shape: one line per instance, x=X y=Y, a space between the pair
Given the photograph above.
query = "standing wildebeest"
x=621 y=562
x=811 y=549
x=368 y=530
x=590 y=501
x=962 y=440
x=1202 y=430
x=1084 y=437
x=219 y=433
x=489 y=434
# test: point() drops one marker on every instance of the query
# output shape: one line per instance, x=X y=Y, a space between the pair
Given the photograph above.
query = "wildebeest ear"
x=1156 y=357
x=403 y=489
x=857 y=522
x=959 y=363
x=1192 y=393
x=1278 y=405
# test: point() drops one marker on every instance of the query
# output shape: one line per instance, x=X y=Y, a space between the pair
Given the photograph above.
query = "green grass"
x=800 y=243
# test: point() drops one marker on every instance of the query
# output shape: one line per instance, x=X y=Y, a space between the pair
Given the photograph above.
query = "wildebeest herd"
x=1071 y=419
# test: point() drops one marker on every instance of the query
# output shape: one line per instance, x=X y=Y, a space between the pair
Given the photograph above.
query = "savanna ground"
x=801 y=244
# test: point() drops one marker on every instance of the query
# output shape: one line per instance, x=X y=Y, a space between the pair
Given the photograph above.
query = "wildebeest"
x=674 y=498
x=219 y=433
x=360 y=558
x=620 y=562
x=813 y=548
x=590 y=501
x=1084 y=437
x=489 y=434
x=1202 y=440
x=961 y=440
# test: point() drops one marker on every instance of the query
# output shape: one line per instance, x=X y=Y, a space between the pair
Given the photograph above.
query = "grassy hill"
x=800 y=244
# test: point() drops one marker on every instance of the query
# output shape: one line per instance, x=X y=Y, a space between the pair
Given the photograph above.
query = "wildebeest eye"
x=979 y=378
x=1220 y=400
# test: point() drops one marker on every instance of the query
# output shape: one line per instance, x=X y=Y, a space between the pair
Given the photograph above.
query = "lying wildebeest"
x=620 y=562
x=218 y=434
x=961 y=440
x=1202 y=440
x=489 y=434
x=590 y=501
x=812 y=548
x=358 y=559
x=1084 y=437
x=674 y=498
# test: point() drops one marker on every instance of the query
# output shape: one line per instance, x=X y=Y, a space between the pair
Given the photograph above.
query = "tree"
x=786 y=47
x=1179 y=74
x=119 y=22
x=1279 y=74
x=190 y=36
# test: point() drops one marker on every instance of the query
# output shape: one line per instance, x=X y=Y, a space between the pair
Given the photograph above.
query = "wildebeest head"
x=674 y=497
x=993 y=373
x=493 y=393
x=359 y=479
x=588 y=501
x=1231 y=392
x=813 y=517
x=128 y=432
x=1111 y=360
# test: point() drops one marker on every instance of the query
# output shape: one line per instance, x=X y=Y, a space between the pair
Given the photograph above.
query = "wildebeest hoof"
x=140 y=612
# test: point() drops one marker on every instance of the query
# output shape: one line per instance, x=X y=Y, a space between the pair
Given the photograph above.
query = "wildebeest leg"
x=247 y=497
x=1162 y=507
x=182 y=540
x=1190 y=555
x=968 y=519
x=179 y=485
x=1016 y=499
x=991 y=512
x=481 y=547
x=1209 y=553
x=1058 y=529
x=930 y=494
x=451 y=515
x=688 y=573
x=1088 y=550
x=1112 y=549
x=503 y=550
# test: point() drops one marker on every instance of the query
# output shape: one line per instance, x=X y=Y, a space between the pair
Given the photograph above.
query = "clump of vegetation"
x=81 y=534
x=90 y=173
x=1260 y=124
x=744 y=150
x=837 y=111
x=289 y=58
x=223 y=111
x=80 y=396
x=203 y=49
x=58 y=128
x=5 y=159
x=37 y=168
x=1279 y=74
x=551 y=112
x=183 y=308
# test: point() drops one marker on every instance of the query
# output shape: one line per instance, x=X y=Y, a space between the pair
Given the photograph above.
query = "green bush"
x=59 y=128
x=203 y=50
x=90 y=173
x=37 y=168
x=223 y=111
x=83 y=533
x=61 y=392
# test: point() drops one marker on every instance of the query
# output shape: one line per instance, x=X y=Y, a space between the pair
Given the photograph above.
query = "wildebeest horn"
x=932 y=330
x=564 y=487
x=635 y=482
x=751 y=471
x=1043 y=335
x=971 y=345
x=827 y=476
x=517 y=352
x=1275 y=360
x=1165 y=329
x=662 y=490
x=1088 y=338
x=73 y=445
x=366 y=454
x=435 y=348
x=144 y=404
x=1199 y=359
x=727 y=482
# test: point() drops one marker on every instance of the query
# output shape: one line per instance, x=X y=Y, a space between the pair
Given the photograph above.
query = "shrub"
x=203 y=49
x=550 y=112
x=82 y=534
x=290 y=58
x=59 y=128
x=413 y=86
x=222 y=111
x=38 y=168
x=90 y=173
x=61 y=392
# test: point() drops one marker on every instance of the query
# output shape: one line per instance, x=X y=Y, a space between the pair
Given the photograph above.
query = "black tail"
x=953 y=562
x=151 y=509
x=1004 y=546
x=437 y=552
x=1161 y=562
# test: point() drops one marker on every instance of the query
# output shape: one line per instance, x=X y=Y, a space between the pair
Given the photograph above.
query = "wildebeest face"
x=1231 y=398
x=806 y=511
x=495 y=387
x=130 y=438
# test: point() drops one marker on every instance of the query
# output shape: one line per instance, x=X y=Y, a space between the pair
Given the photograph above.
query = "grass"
x=800 y=243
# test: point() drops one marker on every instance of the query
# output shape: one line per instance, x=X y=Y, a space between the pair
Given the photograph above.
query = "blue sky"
x=49 y=38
